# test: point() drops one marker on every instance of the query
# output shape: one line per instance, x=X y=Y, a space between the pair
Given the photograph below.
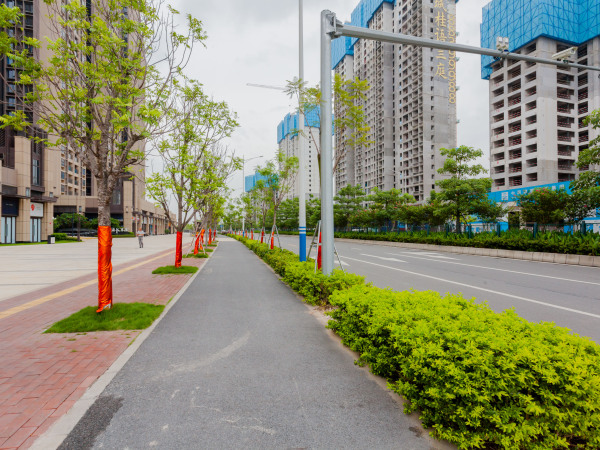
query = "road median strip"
x=475 y=376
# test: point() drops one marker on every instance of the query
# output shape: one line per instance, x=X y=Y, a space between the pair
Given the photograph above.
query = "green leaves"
x=462 y=195
x=478 y=378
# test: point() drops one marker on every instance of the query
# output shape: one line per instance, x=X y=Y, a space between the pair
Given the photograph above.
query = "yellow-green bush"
x=479 y=379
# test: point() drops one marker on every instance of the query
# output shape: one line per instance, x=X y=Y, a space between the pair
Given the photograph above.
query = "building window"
x=36 y=175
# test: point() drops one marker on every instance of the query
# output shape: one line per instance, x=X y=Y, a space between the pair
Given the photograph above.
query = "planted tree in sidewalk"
x=278 y=176
x=349 y=119
x=462 y=194
x=104 y=90
x=194 y=168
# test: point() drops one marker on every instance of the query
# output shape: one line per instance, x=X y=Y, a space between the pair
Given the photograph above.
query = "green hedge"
x=301 y=276
x=478 y=378
x=554 y=242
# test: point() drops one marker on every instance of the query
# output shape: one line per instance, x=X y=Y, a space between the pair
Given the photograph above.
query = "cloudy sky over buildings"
x=257 y=42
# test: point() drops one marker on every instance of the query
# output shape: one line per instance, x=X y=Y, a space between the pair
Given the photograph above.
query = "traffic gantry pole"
x=328 y=21
x=301 y=148
x=332 y=28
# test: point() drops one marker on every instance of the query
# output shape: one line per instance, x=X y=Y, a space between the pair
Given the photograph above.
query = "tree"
x=350 y=119
x=386 y=205
x=586 y=190
x=104 y=90
x=543 y=206
x=582 y=203
x=347 y=202
x=589 y=157
x=278 y=179
x=461 y=194
x=195 y=168
x=288 y=213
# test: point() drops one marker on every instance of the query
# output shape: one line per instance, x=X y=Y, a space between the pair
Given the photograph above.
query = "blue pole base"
x=302 y=251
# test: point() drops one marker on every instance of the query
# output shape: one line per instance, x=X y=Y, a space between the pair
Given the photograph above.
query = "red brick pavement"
x=43 y=375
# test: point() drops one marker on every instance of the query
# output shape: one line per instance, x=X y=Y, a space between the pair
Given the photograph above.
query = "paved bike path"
x=240 y=362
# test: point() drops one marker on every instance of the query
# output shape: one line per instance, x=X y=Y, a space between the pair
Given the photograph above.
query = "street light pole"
x=327 y=29
x=301 y=147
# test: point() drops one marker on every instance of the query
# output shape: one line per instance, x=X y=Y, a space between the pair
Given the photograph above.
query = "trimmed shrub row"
x=478 y=378
x=522 y=240
x=301 y=276
x=553 y=242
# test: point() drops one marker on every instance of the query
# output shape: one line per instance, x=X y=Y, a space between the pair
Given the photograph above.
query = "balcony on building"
x=565 y=136
x=514 y=140
x=532 y=148
x=565 y=107
x=584 y=137
x=532 y=177
x=515 y=181
x=514 y=127
x=564 y=122
x=565 y=150
x=514 y=154
x=565 y=165
x=515 y=168
x=564 y=79
x=514 y=113
x=514 y=86
x=500 y=182
x=564 y=93
x=514 y=100
x=583 y=95
x=582 y=80
x=530 y=77
x=531 y=163
x=531 y=91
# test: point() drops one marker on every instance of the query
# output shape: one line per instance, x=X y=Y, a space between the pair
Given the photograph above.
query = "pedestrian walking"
x=140 y=235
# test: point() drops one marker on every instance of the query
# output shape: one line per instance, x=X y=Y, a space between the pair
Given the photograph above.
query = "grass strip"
x=172 y=270
x=122 y=316
x=199 y=255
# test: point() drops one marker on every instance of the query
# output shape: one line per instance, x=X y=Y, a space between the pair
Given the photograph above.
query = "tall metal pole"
x=301 y=147
x=327 y=252
x=243 y=192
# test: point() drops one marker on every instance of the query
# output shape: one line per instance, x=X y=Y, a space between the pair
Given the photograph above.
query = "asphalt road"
x=540 y=292
x=241 y=362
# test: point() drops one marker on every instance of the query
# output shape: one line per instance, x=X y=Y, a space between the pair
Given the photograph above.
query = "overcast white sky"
x=257 y=42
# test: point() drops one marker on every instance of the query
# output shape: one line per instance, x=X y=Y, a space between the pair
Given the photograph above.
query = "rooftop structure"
x=537 y=111
x=410 y=106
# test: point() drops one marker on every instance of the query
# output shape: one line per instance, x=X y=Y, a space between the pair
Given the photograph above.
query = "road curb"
x=556 y=258
x=58 y=432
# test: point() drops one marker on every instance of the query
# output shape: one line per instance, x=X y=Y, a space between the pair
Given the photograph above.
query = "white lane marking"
x=432 y=255
x=342 y=263
x=503 y=270
x=516 y=297
x=381 y=257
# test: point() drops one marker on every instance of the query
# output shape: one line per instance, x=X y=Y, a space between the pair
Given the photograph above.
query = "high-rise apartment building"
x=39 y=182
x=287 y=139
x=537 y=111
x=411 y=102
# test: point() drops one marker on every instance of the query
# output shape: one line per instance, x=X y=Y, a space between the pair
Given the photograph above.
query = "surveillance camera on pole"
x=565 y=55
x=502 y=44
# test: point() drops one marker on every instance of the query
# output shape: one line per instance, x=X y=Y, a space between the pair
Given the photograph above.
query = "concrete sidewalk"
x=240 y=362
x=43 y=375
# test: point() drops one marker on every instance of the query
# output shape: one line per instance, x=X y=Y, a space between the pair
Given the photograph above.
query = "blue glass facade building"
x=251 y=180
x=523 y=21
x=290 y=123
